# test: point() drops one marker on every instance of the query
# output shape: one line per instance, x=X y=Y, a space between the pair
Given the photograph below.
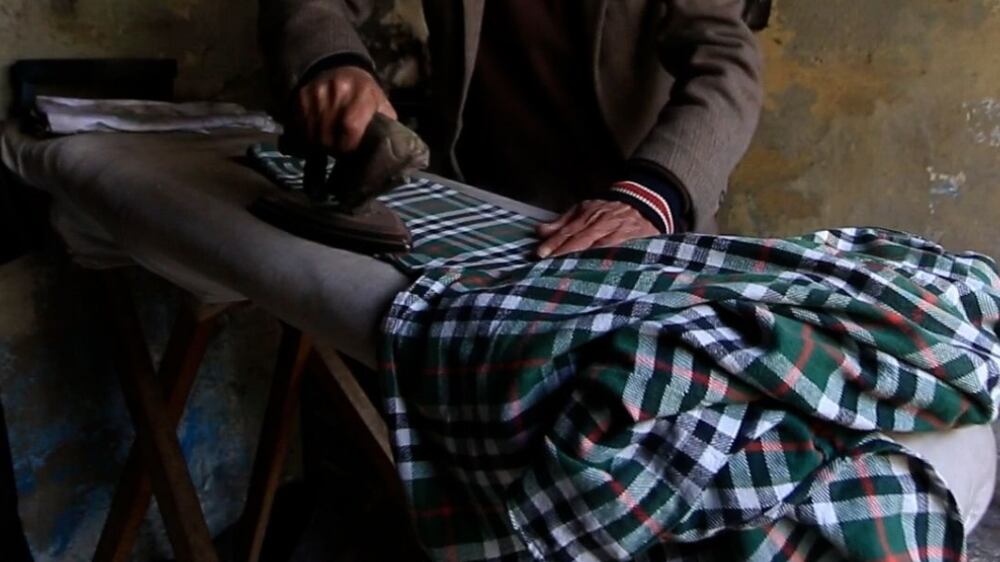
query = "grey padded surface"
x=174 y=203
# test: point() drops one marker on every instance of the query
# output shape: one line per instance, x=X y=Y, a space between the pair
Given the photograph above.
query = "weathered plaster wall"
x=213 y=40
x=877 y=113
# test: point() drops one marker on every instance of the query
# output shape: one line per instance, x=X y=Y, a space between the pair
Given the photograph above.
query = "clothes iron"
x=341 y=210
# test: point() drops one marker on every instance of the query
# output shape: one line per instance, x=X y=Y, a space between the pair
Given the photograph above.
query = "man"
x=626 y=115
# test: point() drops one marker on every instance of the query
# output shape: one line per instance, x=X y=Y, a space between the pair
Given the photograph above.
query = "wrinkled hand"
x=334 y=109
x=591 y=224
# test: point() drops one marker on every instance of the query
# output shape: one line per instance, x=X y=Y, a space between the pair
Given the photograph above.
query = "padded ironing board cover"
x=175 y=203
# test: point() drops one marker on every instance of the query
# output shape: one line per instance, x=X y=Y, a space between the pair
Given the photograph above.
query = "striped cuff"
x=650 y=204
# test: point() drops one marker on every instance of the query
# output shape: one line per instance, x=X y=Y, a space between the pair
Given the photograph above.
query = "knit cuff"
x=650 y=204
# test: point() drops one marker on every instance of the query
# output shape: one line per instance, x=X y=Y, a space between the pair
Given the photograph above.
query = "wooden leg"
x=272 y=448
x=363 y=424
x=156 y=436
x=193 y=330
x=354 y=411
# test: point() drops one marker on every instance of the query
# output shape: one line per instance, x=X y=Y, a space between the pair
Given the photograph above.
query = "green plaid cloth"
x=447 y=227
x=677 y=398
x=692 y=398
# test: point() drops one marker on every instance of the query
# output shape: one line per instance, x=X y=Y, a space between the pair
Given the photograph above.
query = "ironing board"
x=174 y=204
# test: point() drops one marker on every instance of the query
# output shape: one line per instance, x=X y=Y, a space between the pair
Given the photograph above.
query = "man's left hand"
x=591 y=224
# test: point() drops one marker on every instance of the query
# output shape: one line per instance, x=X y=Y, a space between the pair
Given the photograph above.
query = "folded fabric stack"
x=692 y=398
x=67 y=116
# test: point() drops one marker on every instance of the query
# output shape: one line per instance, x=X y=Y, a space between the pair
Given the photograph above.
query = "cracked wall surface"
x=877 y=113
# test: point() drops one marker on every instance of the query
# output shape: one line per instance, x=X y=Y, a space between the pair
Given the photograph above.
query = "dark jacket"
x=678 y=81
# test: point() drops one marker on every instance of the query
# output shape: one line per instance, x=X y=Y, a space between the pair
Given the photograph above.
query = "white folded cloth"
x=66 y=116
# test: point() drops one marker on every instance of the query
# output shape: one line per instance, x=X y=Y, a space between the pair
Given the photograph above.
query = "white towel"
x=66 y=116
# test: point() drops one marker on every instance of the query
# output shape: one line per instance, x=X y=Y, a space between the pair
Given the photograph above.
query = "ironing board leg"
x=155 y=435
x=272 y=448
x=193 y=330
x=352 y=410
x=361 y=423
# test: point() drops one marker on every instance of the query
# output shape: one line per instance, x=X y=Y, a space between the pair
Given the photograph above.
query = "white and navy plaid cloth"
x=680 y=398
x=692 y=398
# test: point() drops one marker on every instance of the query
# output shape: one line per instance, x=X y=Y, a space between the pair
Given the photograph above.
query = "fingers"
x=594 y=224
x=569 y=225
x=335 y=108
x=617 y=238
x=328 y=109
x=354 y=119
x=547 y=229
x=307 y=113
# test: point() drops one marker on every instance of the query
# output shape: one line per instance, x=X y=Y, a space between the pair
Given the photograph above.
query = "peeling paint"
x=946 y=184
x=983 y=117
x=861 y=97
x=942 y=185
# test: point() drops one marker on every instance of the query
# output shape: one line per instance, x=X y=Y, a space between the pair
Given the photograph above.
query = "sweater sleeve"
x=706 y=126
x=299 y=36
x=655 y=195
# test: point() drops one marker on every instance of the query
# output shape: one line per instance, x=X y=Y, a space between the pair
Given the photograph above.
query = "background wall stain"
x=863 y=98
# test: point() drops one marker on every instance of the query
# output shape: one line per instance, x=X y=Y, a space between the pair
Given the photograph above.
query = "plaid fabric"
x=680 y=398
x=692 y=398
x=448 y=228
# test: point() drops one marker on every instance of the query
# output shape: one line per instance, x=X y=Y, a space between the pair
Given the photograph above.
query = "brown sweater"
x=532 y=126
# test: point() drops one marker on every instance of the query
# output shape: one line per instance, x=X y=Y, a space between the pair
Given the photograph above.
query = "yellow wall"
x=878 y=113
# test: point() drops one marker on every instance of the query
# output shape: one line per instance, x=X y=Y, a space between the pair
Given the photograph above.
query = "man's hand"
x=591 y=224
x=334 y=109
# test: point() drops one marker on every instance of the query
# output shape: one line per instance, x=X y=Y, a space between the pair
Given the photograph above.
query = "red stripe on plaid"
x=901 y=323
x=793 y=375
x=637 y=511
x=650 y=198
x=779 y=446
x=898 y=321
x=765 y=255
x=928 y=552
x=782 y=540
x=871 y=495
x=704 y=379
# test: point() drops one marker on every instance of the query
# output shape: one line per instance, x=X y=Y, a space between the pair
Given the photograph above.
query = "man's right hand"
x=335 y=107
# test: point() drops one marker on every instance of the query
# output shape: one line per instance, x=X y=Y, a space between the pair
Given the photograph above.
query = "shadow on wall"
x=69 y=429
